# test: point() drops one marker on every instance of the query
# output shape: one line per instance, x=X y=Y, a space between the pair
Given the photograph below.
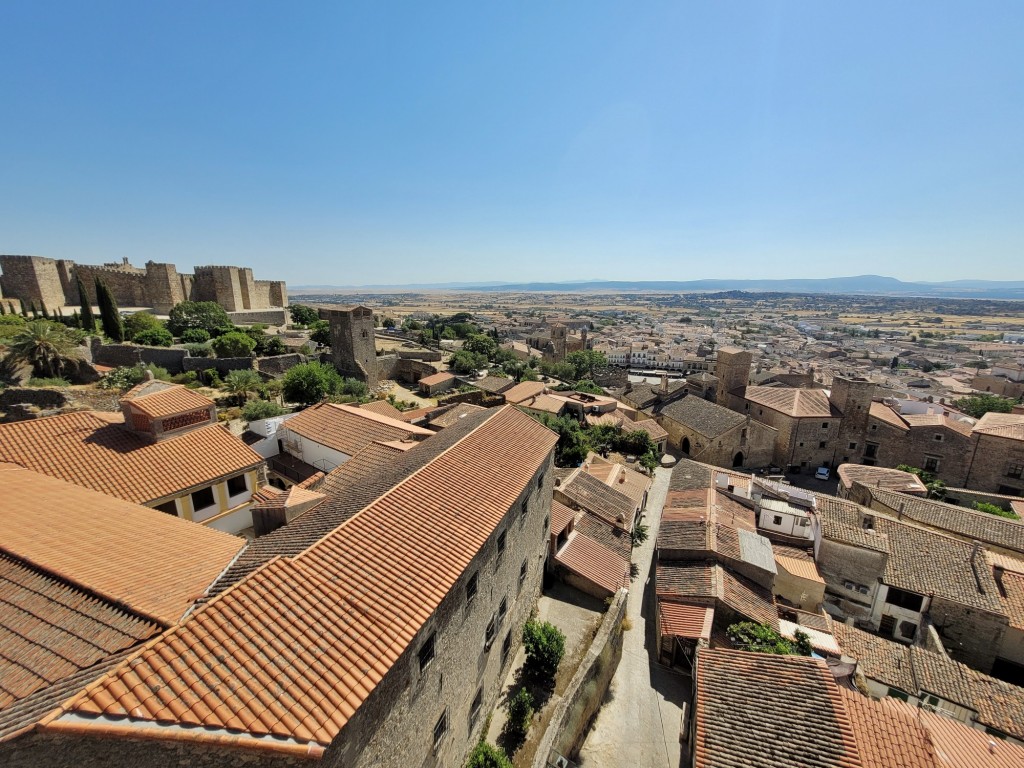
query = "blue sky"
x=356 y=143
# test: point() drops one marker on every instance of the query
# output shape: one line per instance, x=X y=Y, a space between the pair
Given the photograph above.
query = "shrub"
x=195 y=336
x=303 y=315
x=545 y=646
x=519 y=707
x=992 y=509
x=485 y=755
x=320 y=332
x=270 y=345
x=138 y=322
x=126 y=377
x=233 y=344
x=199 y=350
x=48 y=382
x=208 y=315
x=310 y=383
x=154 y=337
x=760 y=638
x=261 y=409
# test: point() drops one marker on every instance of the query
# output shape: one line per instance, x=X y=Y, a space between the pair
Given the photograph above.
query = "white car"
x=822 y=473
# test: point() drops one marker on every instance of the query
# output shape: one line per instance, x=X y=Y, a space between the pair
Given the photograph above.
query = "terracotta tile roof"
x=798 y=403
x=626 y=481
x=93 y=450
x=437 y=378
x=165 y=399
x=595 y=497
x=603 y=532
x=1011 y=594
x=610 y=419
x=733 y=731
x=957 y=745
x=884 y=413
x=704 y=417
x=561 y=516
x=311 y=637
x=371 y=459
x=155 y=564
x=452 y=414
x=594 y=562
x=692 y=622
x=878 y=658
x=1008 y=425
x=544 y=403
x=967 y=523
x=522 y=391
x=417 y=414
x=683 y=579
x=650 y=426
x=841 y=520
x=880 y=477
x=382 y=408
x=804 y=569
x=936 y=420
x=348 y=429
x=50 y=630
x=494 y=384
x=887 y=736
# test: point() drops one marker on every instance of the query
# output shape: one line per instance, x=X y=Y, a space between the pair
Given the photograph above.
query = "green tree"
x=265 y=343
x=388 y=322
x=254 y=410
x=992 y=509
x=233 y=344
x=154 y=337
x=978 y=405
x=87 y=320
x=138 y=322
x=760 y=638
x=481 y=344
x=195 y=336
x=303 y=315
x=485 y=755
x=544 y=644
x=46 y=346
x=586 y=385
x=110 y=316
x=519 y=707
x=466 y=362
x=242 y=383
x=208 y=315
x=584 y=362
x=310 y=383
x=320 y=332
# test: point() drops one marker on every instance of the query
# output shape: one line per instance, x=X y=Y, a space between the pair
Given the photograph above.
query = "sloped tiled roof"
x=681 y=579
x=494 y=384
x=688 y=621
x=94 y=450
x=956 y=745
x=841 y=520
x=734 y=688
x=51 y=630
x=938 y=421
x=968 y=523
x=1008 y=425
x=382 y=408
x=887 y=735
x=348 y=429
x=703 y=417
x=523 y=391
x=1011 y=594
x=804 y=569
x=798 y=403
x=611 y=536
x=594 y=562
x=155 y=564
x=336 y=618
x=626 y=481
x=597 y=498
x=880 y=477
x=650 y=426
x=561 y=516
x=452 y=414
x=437 y=378
x=884 y=413
x=165 y=400
x=878 y=658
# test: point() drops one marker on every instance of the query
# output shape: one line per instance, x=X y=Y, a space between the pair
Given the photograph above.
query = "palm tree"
x=241 y=382
x=46 y=346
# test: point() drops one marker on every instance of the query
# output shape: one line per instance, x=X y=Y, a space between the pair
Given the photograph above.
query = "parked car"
x=822 y=473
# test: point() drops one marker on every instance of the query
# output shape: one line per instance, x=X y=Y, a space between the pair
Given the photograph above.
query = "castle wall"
x=33 y=279
x=127 y=287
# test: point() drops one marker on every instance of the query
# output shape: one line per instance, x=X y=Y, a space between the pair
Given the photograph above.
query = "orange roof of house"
x=383 y=408
x=348 y=429
x=545 y=403
x=295 y=648
x=883 y=412
x=561 y=516
x=804 y=569
x=1009 y=425
x=437 y=378
x=153 y=563
x=880 y=477
x=94 y=450
x=594 y=561
x=650 y=426
x=887 y=736
x=957 y=745
x=523 y=391
x=799 y=403
x=692 y=622
x=158 y=399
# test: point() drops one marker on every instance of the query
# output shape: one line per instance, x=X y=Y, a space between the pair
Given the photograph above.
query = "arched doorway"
x=737 y=460
x=686 y=446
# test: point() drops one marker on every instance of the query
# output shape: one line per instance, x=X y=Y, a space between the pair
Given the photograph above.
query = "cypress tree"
x=33 y=310
x=46 y=315
x=113 y=323
x=24 y=312
x=3 y=309
x=76 y=320
x=86 y=319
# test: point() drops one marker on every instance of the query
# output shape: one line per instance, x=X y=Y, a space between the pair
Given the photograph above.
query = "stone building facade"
x=353 y=349
x=732 y=369
x=54 y=282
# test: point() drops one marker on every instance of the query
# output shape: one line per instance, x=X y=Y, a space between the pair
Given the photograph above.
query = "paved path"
x=638 y=725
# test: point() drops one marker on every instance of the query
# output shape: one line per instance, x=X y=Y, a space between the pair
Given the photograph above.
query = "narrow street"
x=638 y=725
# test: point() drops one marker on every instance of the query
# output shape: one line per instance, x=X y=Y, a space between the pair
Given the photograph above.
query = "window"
x=874 y=427
x=522 y=512
x=202 y=498
x=800 y=445
x=938 y=438
x=501 y=550
x=471 y=587
x=168 y=508
x=804 y=522
x=824 y=425
x=441 y=728
x=776 y=520
x=492 y=627
x=903 y=599
x=506 y=648
x=502 y=611
x=931 y=463
x=427 y=652
x=237 y=485
x=475 y=707
x=1015 y=471
x=908 y=629
x=853 y=446
x=523 y=568
x=896 y=693
x=871 y=450
x=540 y=480
x=822 y=444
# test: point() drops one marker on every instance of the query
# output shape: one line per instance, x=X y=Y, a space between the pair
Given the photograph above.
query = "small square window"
x=237 y=485
x=800 y=445
x=441 y=728
x=427 y=652
x=777 y=520
x=471 y=587
x=874 y=427
x=168 y=508
x=522 y=511
x=202 y=498
x=853 y=446
x=822 y=444
x=938 y=438
x=824 y=425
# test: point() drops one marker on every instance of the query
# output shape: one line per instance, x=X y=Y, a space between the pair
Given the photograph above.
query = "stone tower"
x=852 y=398
x=558 y=341
x=352 y=345
x=732 y=370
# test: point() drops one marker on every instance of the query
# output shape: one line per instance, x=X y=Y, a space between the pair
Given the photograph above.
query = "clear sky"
x=382 y=142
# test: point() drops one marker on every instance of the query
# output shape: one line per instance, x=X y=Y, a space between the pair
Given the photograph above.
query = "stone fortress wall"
x=52 y=282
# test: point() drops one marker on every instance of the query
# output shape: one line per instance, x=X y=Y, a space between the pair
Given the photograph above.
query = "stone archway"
x=737 y=460
x=686 y=446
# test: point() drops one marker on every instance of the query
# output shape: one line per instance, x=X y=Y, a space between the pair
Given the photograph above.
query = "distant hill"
x=875 y=285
